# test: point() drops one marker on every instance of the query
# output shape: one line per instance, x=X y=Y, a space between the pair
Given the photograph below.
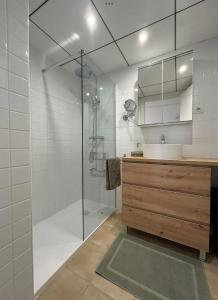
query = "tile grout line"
x=10 y=144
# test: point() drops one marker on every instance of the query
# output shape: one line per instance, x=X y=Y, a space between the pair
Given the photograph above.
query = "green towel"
x=113 y=178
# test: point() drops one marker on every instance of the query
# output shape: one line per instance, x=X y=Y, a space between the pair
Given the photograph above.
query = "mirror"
x=165 y=91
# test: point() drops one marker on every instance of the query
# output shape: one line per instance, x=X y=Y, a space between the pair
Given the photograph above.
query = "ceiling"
x=119 y=33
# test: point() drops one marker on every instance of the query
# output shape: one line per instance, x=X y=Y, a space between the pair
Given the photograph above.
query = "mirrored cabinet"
x=165 y=91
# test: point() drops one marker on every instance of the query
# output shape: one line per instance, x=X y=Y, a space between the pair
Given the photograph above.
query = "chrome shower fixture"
x=130 y=107
x=93 y=98
x=86 y=73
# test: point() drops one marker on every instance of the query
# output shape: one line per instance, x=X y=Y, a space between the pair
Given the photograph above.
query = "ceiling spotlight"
x=101 y=88
x=91 y=21
x=183 y=69
x=75 y=36
x=143 y=37
x=87 y=94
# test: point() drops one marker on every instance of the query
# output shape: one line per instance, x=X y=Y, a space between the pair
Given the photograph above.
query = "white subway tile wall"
x=55 y=138
x=16 y=276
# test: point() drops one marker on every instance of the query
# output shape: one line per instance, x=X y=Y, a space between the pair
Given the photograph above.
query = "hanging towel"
x=113 y=178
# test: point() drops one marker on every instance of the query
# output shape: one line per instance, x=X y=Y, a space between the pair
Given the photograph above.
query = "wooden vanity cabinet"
x=168 y=200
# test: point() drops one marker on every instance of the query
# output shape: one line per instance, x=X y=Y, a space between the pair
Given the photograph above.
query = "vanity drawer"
x=188 y=179
x=190 y=207
x=183 y=232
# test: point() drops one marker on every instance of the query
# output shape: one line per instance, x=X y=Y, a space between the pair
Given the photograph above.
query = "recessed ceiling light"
x=143 y=37
x=75 y=36
x=87 y=94
x=91 y=21
x=101 y=88
x=183 y=69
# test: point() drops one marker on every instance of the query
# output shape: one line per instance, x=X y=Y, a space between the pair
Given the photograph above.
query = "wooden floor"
x=77 y=280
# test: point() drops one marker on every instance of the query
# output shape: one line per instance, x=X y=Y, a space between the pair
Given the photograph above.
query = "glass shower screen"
x=98 y=95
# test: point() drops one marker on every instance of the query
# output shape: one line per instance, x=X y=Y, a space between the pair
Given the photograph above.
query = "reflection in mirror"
x=177 y=89
x=150 y=94
x=165 y=91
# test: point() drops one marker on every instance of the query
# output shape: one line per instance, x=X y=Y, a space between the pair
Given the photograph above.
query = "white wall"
x=203 y=133
x=127 y=133
x=56 y=138
x=205 y=97
x=186 y=104
x=205 y=90
x=15 y=205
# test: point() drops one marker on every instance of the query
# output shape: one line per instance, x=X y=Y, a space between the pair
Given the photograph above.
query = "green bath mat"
x=151 y=272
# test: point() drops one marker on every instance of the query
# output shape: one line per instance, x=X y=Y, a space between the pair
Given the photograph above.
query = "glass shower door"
x=98 y=144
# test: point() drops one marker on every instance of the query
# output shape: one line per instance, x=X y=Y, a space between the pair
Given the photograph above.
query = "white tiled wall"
x=205 y=125
x=56 y=136
x=127 y=133
x=15 y=205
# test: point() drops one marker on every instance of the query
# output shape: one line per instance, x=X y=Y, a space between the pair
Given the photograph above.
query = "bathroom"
x=108 y=149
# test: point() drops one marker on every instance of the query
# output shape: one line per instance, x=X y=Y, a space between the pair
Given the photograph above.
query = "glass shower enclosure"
x=72 y=136
x=98 y=98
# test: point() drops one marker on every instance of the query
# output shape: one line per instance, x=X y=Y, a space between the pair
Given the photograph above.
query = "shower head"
x=130 y=107
x=87 y=72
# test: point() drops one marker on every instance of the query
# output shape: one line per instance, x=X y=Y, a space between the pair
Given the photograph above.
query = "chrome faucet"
x=163 y=139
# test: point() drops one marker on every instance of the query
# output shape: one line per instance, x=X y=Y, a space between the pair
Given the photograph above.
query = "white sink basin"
x=162 y=151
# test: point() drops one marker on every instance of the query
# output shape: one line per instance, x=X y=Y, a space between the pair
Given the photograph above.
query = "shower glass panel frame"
x=99 y=137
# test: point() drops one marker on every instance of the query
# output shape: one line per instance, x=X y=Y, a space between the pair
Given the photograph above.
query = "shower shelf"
x=97 y=173
x=96 y=137
x=100 y=156
x=100 y=165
